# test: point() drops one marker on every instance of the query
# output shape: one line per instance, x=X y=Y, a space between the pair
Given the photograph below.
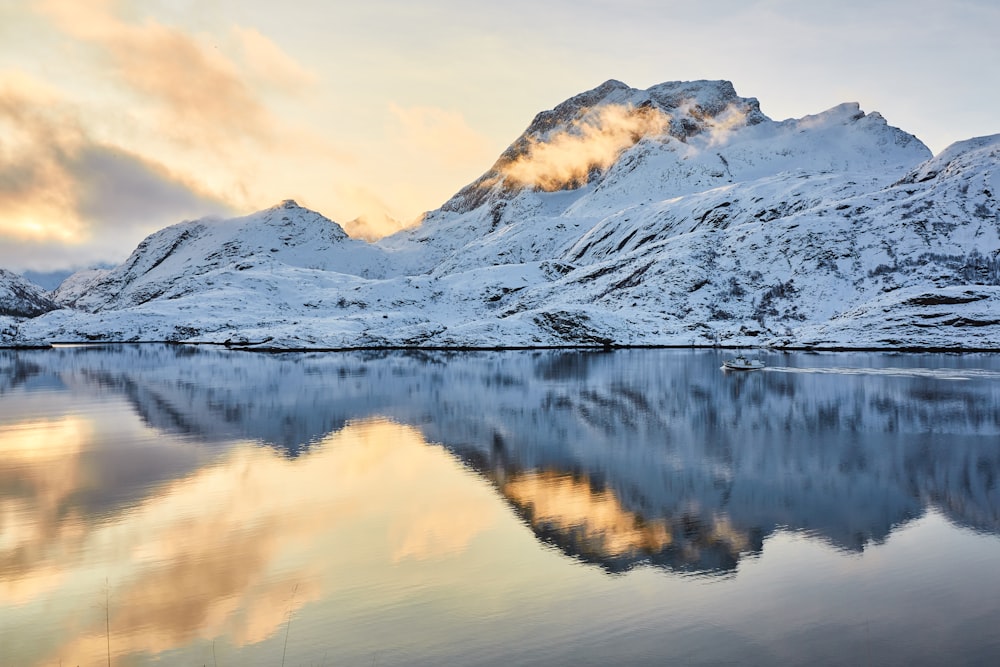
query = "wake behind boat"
x=741 y=363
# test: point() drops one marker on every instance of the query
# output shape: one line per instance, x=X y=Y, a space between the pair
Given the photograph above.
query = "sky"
x=120 y=117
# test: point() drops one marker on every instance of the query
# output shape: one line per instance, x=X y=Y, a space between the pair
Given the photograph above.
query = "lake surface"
x=198 y=506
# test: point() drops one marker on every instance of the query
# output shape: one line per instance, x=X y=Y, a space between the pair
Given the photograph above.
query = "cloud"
x=37 y=137
x=60 y=190
x=158 y=123
x=721 y=127
x=433 y=152
x=423 y=156
x=565 y=158
x=266 y=62
x=438 y=135
x=371 y=227
x=202 y=95
x=373 y=220
x=119 y=189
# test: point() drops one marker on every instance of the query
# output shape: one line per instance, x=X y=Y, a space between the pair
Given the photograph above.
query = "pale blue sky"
x=224 y=106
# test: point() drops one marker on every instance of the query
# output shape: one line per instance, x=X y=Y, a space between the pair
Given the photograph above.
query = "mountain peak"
x=692 y=100
x=580 y=138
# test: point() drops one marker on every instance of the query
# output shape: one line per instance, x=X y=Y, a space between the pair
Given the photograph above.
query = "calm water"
x=186 y=506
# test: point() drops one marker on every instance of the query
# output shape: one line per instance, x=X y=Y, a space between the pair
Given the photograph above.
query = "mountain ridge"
x=675 y=215
x=19 y=297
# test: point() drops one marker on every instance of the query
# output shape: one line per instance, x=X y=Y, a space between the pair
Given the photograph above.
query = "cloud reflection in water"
x=217 y=554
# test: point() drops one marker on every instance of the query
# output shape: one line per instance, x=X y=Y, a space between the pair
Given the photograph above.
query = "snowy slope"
x=804 y=262
x=19 y=299
x=676 y=215
x=74 y=286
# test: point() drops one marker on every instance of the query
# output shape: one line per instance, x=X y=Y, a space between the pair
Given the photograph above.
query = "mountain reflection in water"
x=592 y=525
x=207 y=485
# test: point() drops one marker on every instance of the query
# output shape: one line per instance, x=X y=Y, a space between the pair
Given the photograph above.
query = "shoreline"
x=264 y=348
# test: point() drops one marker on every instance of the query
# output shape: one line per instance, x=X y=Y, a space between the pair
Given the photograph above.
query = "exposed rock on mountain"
x=676 y=215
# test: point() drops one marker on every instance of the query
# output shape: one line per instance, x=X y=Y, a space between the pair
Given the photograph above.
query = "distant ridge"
x=19 y=297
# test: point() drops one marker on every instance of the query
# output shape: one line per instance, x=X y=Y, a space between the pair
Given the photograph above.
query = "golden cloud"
x=374 y=220
x=60 y=187
x=39 y=137
x=168 y=124
x=432 y=150
x=565 y=158
x=202 y=95
x=266 y=62
x=439 y=135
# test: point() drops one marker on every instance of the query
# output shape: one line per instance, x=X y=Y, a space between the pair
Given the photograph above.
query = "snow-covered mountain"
x=193 y=257
x=675 y=215
x=19 y=297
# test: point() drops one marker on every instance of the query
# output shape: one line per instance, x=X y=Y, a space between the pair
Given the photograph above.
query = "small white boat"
x=741 y=363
